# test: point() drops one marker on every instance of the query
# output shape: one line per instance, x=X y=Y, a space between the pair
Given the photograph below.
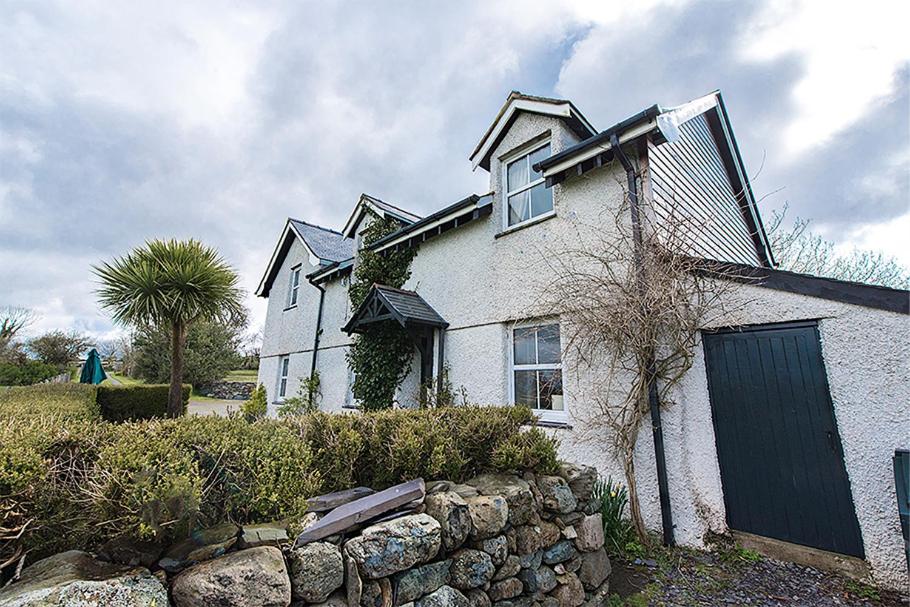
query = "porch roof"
x=387 y=303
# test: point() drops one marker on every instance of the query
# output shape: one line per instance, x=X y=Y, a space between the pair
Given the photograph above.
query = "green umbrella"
x=92 y=371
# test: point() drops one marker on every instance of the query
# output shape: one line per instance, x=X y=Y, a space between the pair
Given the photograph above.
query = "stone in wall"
x=228 y=390
x=396 y=545
x=256 y=577
x=470 y=569
x=516 y=491
x=489 y=515
x=451 y=512
x=316 y=571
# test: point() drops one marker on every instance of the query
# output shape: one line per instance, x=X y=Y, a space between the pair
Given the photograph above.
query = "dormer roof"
x=381 y=208
x=518 y=102
x=324 y=246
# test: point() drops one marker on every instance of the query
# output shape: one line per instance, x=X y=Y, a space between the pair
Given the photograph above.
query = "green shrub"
x=257 y=406
x=31 y=372
x=137 y=402
x=77 y=482
x=70 y=401
x=611 y=499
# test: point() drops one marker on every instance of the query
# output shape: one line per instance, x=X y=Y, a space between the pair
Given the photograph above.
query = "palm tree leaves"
x=169 y=281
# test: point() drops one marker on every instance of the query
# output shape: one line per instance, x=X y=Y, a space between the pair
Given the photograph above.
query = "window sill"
x=552 y=423
x=289 y=308
x=526 y=224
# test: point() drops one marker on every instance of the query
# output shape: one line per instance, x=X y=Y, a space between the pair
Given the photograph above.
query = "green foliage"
x=58 y=348
x=611 y=498
x=381 y=356
x=137 y=402
x=79 y=482
x=25 y=374
x=210 y=352
x=257 y=406
x=67 y=401
x=307 y=399
x=530 y=449
x=862 y=591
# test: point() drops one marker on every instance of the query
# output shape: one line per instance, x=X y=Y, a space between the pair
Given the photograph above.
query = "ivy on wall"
x=381 y=356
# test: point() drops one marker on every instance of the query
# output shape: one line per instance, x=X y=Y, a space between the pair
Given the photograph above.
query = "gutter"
x=666 y=513
x=318 y=329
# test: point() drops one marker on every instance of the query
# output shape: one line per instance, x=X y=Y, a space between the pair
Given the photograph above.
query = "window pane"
x=548 y=344
x=551 y=390
x=541 y=200
x=535 y=157
x=524 y=346
x=284 y=387
x=284 y=367
x=296 y=277
x=519 y=207
x=294 y=296
x=526 y=388
x=517 y=174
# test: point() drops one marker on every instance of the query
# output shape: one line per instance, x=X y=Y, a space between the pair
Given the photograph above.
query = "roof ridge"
x=318 y=227
x=394 y=206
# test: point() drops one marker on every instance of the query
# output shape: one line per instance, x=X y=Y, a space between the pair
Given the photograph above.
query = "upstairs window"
x=294 y=287
x=527 y=196
x=537 y=370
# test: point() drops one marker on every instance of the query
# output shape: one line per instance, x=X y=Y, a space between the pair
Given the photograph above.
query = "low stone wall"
x=228 y=390
x=494 y=541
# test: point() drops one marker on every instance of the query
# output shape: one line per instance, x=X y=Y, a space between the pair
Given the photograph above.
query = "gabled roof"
x=387 y=303
x=381 y=208
x=518 y=102
x=663 y=125
x=325 y=247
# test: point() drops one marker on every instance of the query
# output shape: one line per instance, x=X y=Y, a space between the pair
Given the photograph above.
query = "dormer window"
x=527 y=196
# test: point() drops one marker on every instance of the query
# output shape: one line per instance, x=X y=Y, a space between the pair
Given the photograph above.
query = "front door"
x=781 y=461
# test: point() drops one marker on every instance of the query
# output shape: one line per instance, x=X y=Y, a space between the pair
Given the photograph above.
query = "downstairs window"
x=536 y=370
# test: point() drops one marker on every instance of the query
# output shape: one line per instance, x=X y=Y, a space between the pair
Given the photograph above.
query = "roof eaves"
x=415 y=228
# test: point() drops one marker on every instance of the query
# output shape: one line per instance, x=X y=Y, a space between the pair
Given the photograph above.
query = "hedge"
x=137 y=402
x=31 y=372
x=82 y=401
x=82 y=482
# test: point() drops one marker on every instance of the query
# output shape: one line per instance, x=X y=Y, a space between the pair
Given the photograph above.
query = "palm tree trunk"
x=175 y=396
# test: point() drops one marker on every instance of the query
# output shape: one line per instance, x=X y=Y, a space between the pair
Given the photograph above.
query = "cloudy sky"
x=121 y=122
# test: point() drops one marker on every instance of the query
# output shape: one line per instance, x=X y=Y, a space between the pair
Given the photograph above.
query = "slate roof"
x=328 y=245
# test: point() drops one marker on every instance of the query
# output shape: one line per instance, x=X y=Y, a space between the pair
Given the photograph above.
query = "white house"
x=787 y=422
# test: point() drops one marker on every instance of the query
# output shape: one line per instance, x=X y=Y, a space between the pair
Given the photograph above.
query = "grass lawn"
x=123 y=379
x=241 y=375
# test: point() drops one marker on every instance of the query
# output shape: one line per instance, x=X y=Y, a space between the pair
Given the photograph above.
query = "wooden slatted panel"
x=688 y=177
x=778 y=447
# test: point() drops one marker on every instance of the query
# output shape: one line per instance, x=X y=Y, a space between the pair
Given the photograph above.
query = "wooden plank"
x=330 y=501
x=363 y=509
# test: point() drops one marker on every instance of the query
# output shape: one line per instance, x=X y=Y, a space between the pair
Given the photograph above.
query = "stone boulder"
x=589 y=533
x=470 y=569
x=497 y=547
x=509 y=568
x=516 y=491
x=412 y=584
x=581 y=479
x=477 y=598
x=595 y=568
x=266 y=534
x=336 y=600
x=255 y=578
x=75 y=578
x=489 y=515
x=446 y=596
x=200 y=546
x=386 y=548
x=559 y=552
x=569 y=592
x=451 y=512
x=528 y=539
x=508 y=588
x=316 y=571
x=557 y=496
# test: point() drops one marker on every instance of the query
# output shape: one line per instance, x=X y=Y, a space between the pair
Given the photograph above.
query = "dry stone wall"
x=494 y=541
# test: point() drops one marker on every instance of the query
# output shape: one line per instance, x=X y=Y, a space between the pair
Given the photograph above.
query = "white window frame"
x=557 y=417
x=283 y=375
x=294 y=289
x=506 y=193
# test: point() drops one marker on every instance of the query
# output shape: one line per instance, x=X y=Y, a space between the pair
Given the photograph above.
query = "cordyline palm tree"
x=170 y=283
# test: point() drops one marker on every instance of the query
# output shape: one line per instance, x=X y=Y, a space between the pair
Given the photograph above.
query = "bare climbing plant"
x=631 y=313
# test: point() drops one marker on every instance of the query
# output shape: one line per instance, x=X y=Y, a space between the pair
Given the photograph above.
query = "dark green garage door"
x=780 y=455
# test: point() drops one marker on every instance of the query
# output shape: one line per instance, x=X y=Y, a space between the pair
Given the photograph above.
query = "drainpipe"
x=318 y=328
x=663 y=489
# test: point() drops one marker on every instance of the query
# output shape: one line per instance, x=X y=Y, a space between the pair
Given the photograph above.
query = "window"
x=283 y=364
x=536 y=373
x=294 y=289
x=527 y=195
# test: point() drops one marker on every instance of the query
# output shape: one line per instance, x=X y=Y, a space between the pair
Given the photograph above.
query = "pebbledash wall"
x=484 y=281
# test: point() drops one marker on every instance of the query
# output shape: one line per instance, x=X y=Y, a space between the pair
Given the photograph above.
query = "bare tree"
x=12 y=321
x=631 y=311
x=797 y=249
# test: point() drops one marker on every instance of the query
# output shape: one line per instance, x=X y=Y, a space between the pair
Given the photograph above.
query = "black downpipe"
x=663 y=488
x=318 y=329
